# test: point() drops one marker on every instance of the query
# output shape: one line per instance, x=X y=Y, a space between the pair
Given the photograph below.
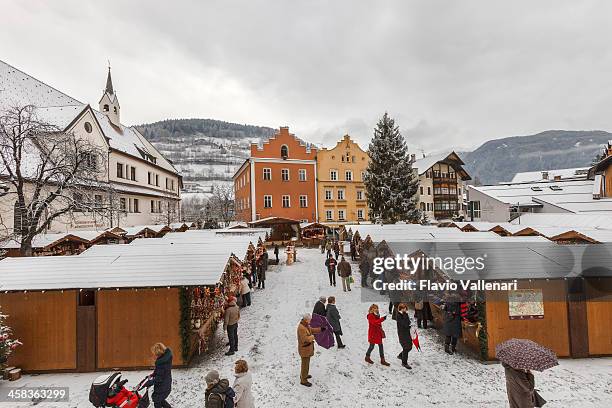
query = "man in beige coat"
x=306 y=340
x=230 y=323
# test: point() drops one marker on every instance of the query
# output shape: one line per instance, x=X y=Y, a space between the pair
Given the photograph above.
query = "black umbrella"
x=524 y=354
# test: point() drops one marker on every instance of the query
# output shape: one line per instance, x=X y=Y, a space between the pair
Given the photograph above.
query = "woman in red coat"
x=376 y=334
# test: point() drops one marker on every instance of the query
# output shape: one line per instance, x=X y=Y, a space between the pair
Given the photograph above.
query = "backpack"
x=227 y=398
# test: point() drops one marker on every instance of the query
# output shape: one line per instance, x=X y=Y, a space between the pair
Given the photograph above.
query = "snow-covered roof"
x=135 y=230
x=201 y=266
x=236 y=245
x=243 y=231
x=58 y=109
x=588 y=221
x=527 y=260
x=198 y=258
x=425 y=163
x=44 y=240
x=416 y=232
x=570 y=195
x=579 y=173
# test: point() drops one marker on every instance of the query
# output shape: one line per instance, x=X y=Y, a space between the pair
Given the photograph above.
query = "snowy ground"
x=341 y=378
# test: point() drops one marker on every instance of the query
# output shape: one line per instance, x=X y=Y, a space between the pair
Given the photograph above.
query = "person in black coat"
x=330 y=263
x=254 y=270
x=161 y=379
x=333 y=317
x=364 y=268
x=403 y=332
x=276 y=252
x=452 y=324
x=319 y=307
x=422 y=311
x=353 y=251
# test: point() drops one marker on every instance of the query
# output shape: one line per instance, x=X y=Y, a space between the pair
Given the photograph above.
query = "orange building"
x=277 y=180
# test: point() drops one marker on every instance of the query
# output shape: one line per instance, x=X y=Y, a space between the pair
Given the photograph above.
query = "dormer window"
x=284 y=151
x=115 y=109
x=106 y=108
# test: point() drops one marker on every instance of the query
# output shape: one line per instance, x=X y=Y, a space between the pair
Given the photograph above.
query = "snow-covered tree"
x=7 y=343
x=390 y=182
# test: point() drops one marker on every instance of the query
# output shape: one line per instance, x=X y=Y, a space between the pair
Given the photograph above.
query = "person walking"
x=245 y=291
x=336 y=248
x=353 y=251
x=161 y=379
x=261 y=273
x=276 y=252
x=319 y=307
x=322 y=244
x=230 y=324
x=452 y=324
x=333 y=317
x=345 y=272
x=520 y=387
x=217 y=390
x=376 y=334
x=242 y=386
x=328 y=248
x=306 y=340
x=403 y=333
x=330 y=263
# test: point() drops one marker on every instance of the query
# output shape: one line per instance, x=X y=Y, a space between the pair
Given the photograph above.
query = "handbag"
x=351 y=280
x=538 y=401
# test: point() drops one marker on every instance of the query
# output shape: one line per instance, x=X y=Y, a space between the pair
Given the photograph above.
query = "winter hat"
x=322 y=299
x=212 y=377
x=306 y=316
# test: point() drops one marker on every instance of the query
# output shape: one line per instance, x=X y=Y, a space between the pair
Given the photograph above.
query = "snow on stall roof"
x=151 y=262
x=43 y=240
x=232 y=245
x=527 y=260
x=534 y=176
x=416 y=232
x=203 y=266
x=139 y=228
x=244 y=231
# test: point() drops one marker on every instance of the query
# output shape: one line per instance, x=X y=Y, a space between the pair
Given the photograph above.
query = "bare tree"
x=222 y=203
x=51 y=175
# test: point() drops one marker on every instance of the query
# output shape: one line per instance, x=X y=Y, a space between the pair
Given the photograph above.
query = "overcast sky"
x=452 y=73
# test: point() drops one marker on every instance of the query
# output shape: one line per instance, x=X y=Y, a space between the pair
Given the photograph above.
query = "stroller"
x=109 y=391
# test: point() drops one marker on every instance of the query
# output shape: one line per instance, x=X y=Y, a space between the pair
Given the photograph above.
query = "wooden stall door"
x=86 y=338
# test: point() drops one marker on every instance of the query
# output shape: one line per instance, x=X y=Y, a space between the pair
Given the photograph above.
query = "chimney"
x=544 y=175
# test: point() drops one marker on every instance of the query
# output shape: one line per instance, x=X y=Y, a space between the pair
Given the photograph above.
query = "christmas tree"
x=7 y=345
x=390 y=182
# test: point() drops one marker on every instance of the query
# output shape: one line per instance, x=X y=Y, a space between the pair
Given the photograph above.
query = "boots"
x=368 y=360
x=453 y=349
x=447 y=349
x=383 y=362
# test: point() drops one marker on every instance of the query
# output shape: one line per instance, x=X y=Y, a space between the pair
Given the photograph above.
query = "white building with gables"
x=146 y=183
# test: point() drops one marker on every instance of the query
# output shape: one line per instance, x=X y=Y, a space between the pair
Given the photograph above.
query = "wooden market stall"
x=554 y=294
x=68 y=243
x=282 y=229
x=102 y=309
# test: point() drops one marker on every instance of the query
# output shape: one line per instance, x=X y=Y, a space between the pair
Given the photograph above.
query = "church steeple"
x=109 y=83
x=109 y=104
